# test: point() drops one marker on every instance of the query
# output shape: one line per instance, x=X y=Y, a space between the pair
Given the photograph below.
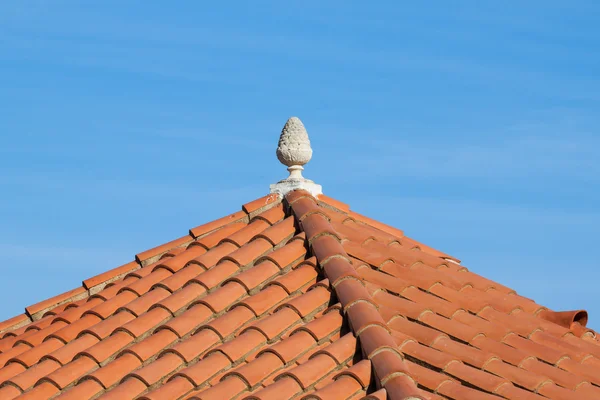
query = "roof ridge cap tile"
x=564 y=318
x=96 y=283
x=318 y=227
x=395 y=233
x=376 y=342
x=377 y=224
x=208 y=227
x=13 y=323
x=152 y=255
x=37 y=310
x=333 y=203
x=257 y=206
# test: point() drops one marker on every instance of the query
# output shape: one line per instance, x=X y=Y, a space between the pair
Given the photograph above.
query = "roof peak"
x=294 y=151
x=306 y=270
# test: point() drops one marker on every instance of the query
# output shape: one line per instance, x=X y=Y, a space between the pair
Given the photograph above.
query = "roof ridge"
x=96 y=283
x=574 y=321
x=420 y=317
x=376 y=341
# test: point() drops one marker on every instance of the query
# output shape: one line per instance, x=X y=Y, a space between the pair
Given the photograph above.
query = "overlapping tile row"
x=95 y=284
x=226 y=313
x=300 y=299
x=464 y=336
x=376 y=340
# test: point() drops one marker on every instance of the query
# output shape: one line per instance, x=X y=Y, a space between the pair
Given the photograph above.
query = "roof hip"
x=376 y=342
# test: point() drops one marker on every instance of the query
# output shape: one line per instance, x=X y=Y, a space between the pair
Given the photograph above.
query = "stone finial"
x=294 y=151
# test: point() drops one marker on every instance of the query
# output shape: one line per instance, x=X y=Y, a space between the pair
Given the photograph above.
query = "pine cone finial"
x=294 y=144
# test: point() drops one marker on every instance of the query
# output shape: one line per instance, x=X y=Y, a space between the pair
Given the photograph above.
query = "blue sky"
x=474 y=127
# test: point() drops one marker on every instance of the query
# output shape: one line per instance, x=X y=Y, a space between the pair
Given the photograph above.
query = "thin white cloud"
x=455 y=212
x=527 y=149
x=148 y=189
x=54 y=256
x=159 y=49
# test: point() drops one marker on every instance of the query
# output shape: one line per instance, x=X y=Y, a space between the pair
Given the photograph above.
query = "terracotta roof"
x=300 y=298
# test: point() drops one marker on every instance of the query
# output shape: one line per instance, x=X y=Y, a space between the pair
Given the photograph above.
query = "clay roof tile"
x=324 y=302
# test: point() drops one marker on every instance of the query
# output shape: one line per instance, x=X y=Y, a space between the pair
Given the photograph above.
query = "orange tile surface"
x=296 y=298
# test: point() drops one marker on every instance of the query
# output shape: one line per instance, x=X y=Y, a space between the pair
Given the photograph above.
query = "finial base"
x=287 y=185
x=295 y=172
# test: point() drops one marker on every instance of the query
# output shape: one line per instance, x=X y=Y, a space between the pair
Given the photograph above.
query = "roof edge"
x=96 y=283
x=376 y=342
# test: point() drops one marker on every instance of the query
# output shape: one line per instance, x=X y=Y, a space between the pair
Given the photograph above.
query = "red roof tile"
x=299 y=299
